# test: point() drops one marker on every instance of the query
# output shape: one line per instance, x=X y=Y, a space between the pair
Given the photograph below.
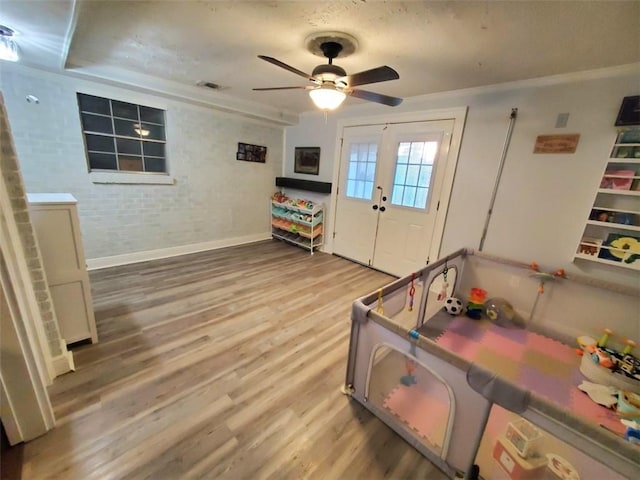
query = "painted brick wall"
x=215 y=197
x=11 y=176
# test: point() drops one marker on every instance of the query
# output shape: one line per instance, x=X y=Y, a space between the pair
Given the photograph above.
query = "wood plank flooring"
x=224 y=364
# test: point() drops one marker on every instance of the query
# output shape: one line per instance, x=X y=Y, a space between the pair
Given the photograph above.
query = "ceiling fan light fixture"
x=8 y=47
x=327 y=97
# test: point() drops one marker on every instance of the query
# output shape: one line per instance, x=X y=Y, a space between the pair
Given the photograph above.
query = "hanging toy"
x=409 y=364
x=544 y=276
x=380 y=306
x=412 y=292
x=443 y=291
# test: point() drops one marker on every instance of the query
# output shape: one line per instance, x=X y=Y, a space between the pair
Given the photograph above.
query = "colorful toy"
x=545 y=276
x=476 y=303
x=412 y=292
x=605 y=337
x=443 y=291
x=502 y=313
x=409 y=364
x=453 y=306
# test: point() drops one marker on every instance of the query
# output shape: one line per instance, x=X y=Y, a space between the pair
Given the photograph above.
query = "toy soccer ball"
x=453 y=306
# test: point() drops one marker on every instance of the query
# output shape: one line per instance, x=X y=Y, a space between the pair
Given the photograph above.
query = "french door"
x=390 y=183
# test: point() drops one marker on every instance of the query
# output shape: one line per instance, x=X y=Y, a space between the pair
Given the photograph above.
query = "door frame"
x=457 y=114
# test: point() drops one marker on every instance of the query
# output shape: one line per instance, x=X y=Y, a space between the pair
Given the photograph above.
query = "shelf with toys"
x=297 y=221
x=612 y=232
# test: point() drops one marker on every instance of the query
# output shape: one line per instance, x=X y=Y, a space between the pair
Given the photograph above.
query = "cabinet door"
x=58 y=232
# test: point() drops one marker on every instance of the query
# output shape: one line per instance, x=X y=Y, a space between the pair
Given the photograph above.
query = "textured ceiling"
x=434 y=46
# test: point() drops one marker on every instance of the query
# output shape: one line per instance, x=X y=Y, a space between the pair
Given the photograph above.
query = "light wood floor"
x=223 y=364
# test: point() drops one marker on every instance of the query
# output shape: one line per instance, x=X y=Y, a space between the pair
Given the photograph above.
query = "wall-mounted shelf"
x=306 y=185
x=612 y=232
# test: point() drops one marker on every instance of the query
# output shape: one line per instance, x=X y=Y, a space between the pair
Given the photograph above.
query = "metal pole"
x=507 y=141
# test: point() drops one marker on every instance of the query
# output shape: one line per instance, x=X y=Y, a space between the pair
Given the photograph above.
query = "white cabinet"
x=300 y=222
x=55 y=221
x=612 y=231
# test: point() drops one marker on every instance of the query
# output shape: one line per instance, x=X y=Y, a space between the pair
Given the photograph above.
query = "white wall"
x=543 y=200
x=215 y=199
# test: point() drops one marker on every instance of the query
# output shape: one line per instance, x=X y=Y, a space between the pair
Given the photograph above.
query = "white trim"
x=136 y=257
x=8 y=416
x=64 y=363
x=20 y=278
x=131 y=178
x=457 y=114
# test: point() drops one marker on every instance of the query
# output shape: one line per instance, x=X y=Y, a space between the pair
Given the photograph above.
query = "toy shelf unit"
x=612 y=232
x=297 y=221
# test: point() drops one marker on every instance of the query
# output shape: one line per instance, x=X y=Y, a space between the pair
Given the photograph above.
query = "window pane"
x=153 y=115
x=124 y=110
x=373 y=153
x=96 y=123
x=409 y=196
x=371 y=172
x=99 y=143
x=351 y=188
x=154 y=164
x=152 y=132
x=403 y=152
x=396 y=197
x=416 y=152
x=153 y=149
x=368 y=190
x=131 y=164
x=421 y=197
x=126 y=128
x=359 y=188
x=133 y=147
x=362 y=171
x=102 y=161
x=425 y=176
x=401 y=174
x=353 y=166
x=412 y=175
x=89 y=103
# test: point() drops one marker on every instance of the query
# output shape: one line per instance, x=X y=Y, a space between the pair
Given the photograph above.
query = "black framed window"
x=122 y=136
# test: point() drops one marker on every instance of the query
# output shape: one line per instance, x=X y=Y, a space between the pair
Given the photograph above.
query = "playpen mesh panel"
x=412 y=394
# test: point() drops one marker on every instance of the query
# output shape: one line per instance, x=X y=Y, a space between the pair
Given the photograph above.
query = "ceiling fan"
x=331 y=84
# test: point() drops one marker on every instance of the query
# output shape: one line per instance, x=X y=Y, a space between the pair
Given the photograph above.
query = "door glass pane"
x=414 y=166
x=361 y=171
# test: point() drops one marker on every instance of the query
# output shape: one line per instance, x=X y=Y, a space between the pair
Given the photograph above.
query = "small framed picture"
x=307 y=160
x=251 y=153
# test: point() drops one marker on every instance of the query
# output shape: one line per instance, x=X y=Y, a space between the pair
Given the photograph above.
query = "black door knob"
x=375 y=207
x=384 y=199
x=382 y=209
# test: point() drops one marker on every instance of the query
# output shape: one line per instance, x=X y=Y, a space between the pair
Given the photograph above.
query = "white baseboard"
x=63 y=363
x=136 y=257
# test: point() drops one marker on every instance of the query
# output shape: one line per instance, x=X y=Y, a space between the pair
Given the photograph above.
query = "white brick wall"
x=215 y=197
x=10 y=175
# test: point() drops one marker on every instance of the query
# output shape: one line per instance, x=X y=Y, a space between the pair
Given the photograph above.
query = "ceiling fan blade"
x=283 y=88
x=374 y=97
x=375 y=75
x=287 y=67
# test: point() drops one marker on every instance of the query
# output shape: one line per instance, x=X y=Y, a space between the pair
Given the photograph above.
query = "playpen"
x=470 y=392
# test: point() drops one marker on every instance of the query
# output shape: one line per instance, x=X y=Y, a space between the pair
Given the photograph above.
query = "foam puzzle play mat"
x=497 y=369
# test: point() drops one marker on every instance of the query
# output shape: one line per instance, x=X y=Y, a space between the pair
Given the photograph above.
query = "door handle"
x=382 y=209
x=375 y=207
x=384 y=199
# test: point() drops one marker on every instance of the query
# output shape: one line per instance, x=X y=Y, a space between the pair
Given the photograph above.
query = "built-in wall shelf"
x=612 y=232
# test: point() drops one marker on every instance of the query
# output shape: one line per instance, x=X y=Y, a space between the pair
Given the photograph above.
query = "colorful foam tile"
x=551 y=387
x=553 y=348
x=505 y=345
